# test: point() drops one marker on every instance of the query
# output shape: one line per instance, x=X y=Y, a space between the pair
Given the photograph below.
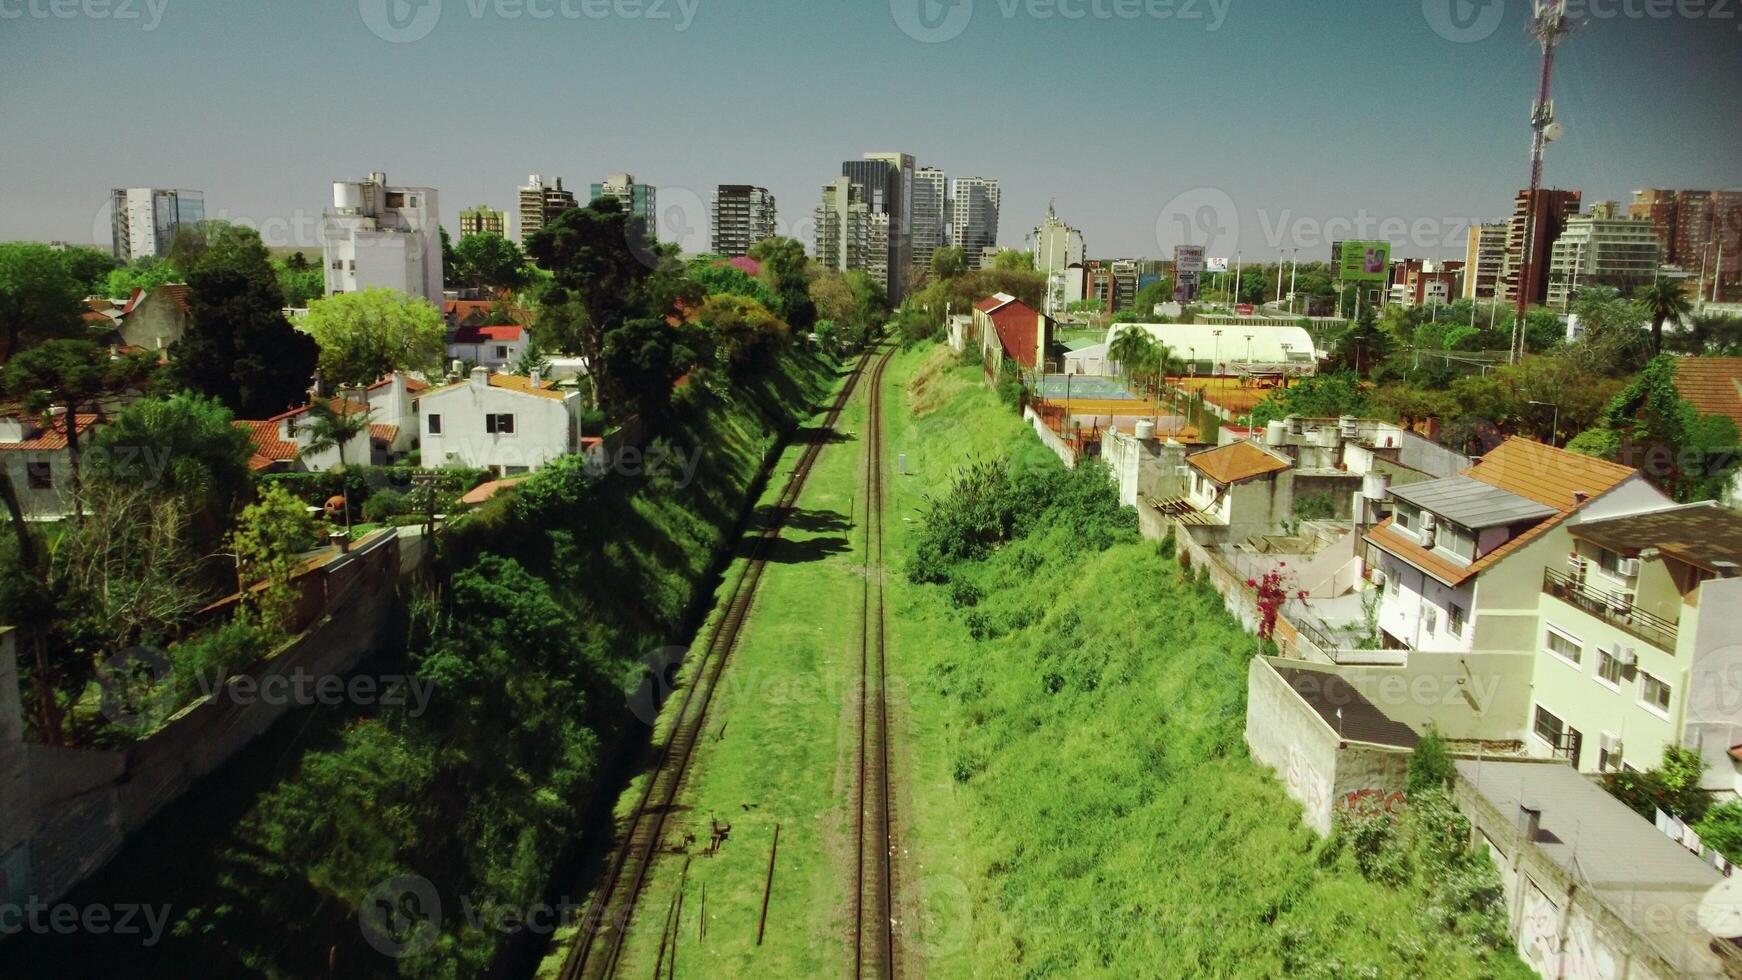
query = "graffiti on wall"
x=1366 y=802
x=1304 y=781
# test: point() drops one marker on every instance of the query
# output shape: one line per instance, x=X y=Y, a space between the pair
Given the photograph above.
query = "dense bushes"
x=315 y=489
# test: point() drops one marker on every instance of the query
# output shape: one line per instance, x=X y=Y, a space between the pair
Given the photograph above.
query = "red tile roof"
x=1236 y=462
x=339 y=406
x=412 y=384
x=176 y=291
x=52 y=436
x=269 y=449
x=506 y=333
x=1713 y=385
x=383 y=433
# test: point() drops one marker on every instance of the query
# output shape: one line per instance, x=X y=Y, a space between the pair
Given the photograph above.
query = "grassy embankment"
x=566 y=583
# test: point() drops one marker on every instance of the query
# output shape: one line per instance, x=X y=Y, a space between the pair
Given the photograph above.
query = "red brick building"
x=1011 y=328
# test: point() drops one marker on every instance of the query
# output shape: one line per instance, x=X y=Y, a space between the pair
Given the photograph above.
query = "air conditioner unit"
x=1611 y=743
x=1628 y=656
x=1627 y=568
x=1378 y=578
x=1428 y=523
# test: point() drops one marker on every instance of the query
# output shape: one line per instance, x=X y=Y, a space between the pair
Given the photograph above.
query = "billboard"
x=1365 y=262
x=1217 y=265
x=1188 y=258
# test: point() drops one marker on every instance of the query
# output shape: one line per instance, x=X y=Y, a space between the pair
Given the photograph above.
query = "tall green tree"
x=786 y=270
x=64 y=374
x=489 y=261
x=368 y=334
x=145 y=273
x=239 y=348
x=595 y=257
x=90 y=267
x=185 y=447
x=948 y=262
x=40 y=299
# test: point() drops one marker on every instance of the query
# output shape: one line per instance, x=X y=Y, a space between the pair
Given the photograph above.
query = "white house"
x=393 y=427
x=502 y=422
x=378 y=235
x=493 y=347
x=34 y=451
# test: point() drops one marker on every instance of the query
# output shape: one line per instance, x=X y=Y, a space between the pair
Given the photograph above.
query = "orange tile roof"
x=1547 y=475
x=385 y=433
x=412 y=384
x=52 y=436
x=484 y=491
x=267 y=443
x=1713 y=385
x=510 y=382
x=1236 y=462
x=339 y=406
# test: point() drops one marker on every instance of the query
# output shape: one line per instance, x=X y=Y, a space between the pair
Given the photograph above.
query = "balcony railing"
x=1615 y=608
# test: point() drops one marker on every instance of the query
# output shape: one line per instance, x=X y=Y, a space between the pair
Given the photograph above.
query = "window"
x=501 y=352
x=502 y=424
x=1609 y=562
x=1548 y=727
x=1407 y=517
x=1455 y=620
x=39 y=476
x=1609 y=668
x=1564 y=646
x=1653 y=693
x=1459 y=541
x=435 y=425
x=1608 y=754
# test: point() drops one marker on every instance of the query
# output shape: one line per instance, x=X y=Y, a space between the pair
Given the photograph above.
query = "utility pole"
x=1293 y=277
x=1550 y=26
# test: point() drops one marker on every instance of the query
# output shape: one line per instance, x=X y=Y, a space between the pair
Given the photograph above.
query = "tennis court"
x=1081 y=386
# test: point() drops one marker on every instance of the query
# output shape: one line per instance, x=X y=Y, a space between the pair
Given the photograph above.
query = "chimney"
x=1580 y=496
x=533 y=377
x=480 y=377
x=1529 y=819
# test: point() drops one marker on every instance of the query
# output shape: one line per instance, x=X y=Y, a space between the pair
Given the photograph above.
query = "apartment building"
x=1701 y=234
x=974 y=217
x=843 y=226
x=641 y=200
x=480 y=219
x=144 y=220
x=931 y=215
x=1484 y=261
x=540 y=203
x=381 y=235
x=1553 y=207
x=1601 y=248
x=1058 y=251
x=742 y=216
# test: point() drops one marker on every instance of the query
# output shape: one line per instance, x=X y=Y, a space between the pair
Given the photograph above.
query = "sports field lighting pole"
x=1293 y=277
x=1281 y=260
x=1235 y=299
x=1216 y=364
x=1550 y=26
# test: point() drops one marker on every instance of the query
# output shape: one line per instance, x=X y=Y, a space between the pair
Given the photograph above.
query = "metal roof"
x=1704 y=535
x=1472 y=503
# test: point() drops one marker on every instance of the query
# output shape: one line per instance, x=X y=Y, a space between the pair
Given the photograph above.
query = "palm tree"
x=334 y=428
x=1129 y=348
x=1664 y=301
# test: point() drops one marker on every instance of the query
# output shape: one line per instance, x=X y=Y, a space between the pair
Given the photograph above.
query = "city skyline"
x=1437 y=141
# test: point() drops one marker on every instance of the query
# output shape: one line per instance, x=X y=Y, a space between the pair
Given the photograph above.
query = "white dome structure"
x=1228 y=349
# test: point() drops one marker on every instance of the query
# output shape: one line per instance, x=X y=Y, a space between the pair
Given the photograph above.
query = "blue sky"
x=1255 y=125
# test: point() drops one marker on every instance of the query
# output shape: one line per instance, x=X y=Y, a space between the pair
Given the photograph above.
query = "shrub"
x=1430 y=765
x=385 y=504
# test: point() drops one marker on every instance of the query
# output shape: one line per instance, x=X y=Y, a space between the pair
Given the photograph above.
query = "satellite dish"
x=1720 y=912
x=1553 y=131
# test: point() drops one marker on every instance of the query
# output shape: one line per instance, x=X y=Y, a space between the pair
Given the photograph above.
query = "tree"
x=743 y=331
x=532 y=358
x=487 y=260
x=268 y=541
x=40 y=299
x=642 y=360
x=833 y=297
x=366 y=335
x=145 y=273
x=1012 y=260
x=89 y=267
x=1650 y=427
x=301 y=282
x=1149 y=297
x=1673 y=786
x=596 y=257
x=128 y=571
x=1325 y=396
x=336 y=428
x=786 y=270
x=1363 y=345
x=185 y=448
x=947 y=263
x=1614 y=339
x=1130 y=348
x=1430 y=765
x=1664 y=300
x=717 y=277
x=64 y=373
x=239 y=348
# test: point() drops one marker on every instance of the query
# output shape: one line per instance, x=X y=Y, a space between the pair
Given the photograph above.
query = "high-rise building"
x=931 y=216
x=1601 y=249
x=1124 y=283
x=1484 y=260
x=377 y=235
x=1058 y=249
x=1701 y=234
x=1552 y=209
x=743 y=215
x=481 y=220
x=843 y=226
x=878 y=183
x=974 y=217
x=900 y=211
x=540 y=203
x=144 y=219
x=637 y=198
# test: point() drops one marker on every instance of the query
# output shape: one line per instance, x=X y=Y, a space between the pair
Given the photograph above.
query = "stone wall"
x=64 y=812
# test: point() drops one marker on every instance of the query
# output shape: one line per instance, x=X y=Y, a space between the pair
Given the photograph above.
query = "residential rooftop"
x=1704 y=535
x=1472 y=503
x=1345 y=709
x=1237 y=462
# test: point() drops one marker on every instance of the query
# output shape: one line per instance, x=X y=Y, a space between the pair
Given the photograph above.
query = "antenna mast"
x=1550 y=26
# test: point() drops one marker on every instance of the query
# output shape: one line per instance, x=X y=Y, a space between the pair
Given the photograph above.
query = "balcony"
x=1614 y=608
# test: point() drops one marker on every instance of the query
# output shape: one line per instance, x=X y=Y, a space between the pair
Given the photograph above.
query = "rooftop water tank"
x=1145 y=430
x=1276 y=433
x=347 y=195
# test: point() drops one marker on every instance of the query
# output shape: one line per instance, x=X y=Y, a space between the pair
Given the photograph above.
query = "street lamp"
x=1555 y=426
x=1216 y=364
x=1194 y=353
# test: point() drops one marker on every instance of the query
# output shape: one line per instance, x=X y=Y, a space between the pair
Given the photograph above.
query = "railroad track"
x=874 y=892
x=599 y=942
